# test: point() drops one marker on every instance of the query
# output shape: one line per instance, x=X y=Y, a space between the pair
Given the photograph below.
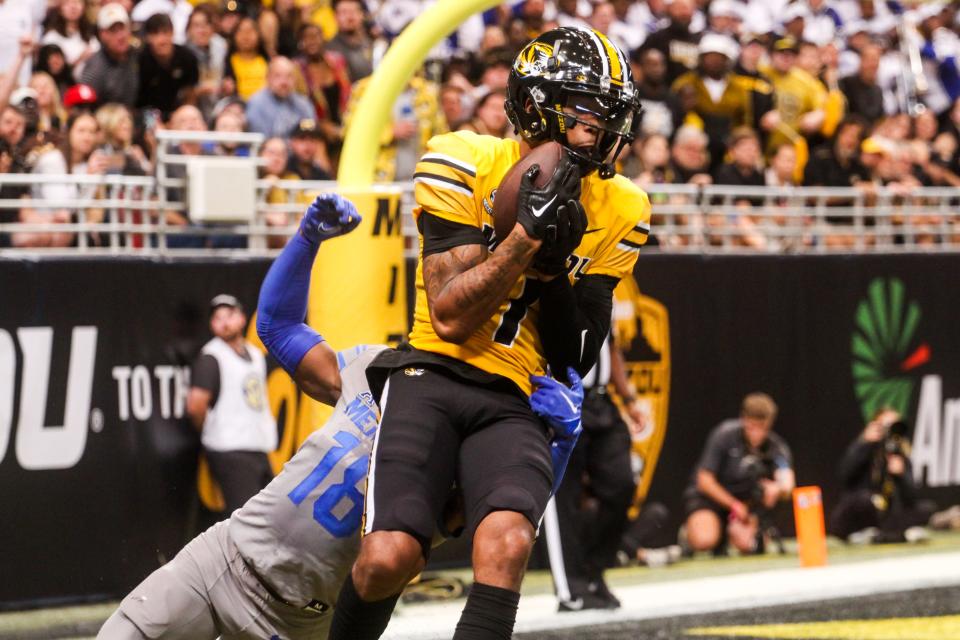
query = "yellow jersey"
x=795 y=93
x=250 y=74
x=456 y=180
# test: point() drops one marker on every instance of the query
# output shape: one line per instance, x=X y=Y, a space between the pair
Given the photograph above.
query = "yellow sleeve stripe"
x=642 y=227
x=450 y=161
x=442 y=182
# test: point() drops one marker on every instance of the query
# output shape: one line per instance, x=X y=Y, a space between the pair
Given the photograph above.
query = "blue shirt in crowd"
x=274 y=116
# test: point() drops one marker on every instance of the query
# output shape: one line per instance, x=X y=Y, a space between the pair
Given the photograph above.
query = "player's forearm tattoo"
x=466 y=288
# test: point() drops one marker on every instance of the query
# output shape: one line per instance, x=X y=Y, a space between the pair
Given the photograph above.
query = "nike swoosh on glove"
x=329 y=216
x=537 y=207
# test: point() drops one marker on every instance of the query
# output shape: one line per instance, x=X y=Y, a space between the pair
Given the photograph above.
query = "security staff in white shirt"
x=228 y=403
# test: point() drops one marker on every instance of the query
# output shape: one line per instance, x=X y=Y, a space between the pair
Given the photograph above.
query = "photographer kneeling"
x=879 y=501
x=744 y=471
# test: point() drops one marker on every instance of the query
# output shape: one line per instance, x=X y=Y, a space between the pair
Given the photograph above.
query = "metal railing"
x=121 y=215
x=724 y=219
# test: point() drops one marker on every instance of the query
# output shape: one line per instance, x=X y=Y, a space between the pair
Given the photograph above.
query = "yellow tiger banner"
x=642 y=329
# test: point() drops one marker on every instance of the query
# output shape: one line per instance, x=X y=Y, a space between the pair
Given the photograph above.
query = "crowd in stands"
x=835 y=93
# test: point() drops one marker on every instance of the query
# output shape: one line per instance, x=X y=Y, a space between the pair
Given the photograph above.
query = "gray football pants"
x=207 y=591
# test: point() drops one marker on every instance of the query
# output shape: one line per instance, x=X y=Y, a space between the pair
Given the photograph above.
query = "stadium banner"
x=830 y=338
x=641 y=329
x=98 y=462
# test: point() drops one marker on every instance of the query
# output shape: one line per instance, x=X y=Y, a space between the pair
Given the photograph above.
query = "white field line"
x=704 y=595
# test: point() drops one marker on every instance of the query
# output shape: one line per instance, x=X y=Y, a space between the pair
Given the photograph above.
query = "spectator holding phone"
x=116 y=129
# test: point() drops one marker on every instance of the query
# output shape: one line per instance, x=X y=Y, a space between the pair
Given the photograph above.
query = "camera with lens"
x=895 y=439
x=753 y=469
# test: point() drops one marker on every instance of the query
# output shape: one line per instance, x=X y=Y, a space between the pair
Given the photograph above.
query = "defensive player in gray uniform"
x=274 y=569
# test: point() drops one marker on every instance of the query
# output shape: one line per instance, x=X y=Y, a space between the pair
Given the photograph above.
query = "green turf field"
x=939 y=608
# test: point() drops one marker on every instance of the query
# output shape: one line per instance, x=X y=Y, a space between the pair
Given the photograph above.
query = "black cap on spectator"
x=225 y=300
x=231 y=6
x=158 y=23
x=786 y=44
x=306 y=128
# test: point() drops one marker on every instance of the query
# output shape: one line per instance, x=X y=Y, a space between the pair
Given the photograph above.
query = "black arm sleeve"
x=441 y=235
x=574 y=321
x=205 y=374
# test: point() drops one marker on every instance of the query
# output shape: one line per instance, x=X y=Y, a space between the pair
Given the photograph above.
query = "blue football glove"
x=329 y=216
x=560 y=406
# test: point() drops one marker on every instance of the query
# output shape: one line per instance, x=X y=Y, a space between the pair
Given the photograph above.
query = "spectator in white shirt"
x=68 y=27
x=16 y=22
x=77 y=156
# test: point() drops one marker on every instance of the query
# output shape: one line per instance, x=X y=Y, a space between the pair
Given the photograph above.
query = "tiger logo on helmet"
x=533 y=60
x=570 y=71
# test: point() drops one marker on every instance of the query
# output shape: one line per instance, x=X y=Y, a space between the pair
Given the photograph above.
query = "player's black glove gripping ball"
x=551 y=259
x=538 y=207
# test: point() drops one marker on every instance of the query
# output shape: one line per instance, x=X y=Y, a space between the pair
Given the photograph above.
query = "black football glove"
x=537 y=208
x=551 y=259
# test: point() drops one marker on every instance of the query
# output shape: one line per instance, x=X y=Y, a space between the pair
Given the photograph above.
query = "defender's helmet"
x=578 y=69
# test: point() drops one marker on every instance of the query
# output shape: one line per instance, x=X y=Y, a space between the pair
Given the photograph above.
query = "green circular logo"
x=885 y=326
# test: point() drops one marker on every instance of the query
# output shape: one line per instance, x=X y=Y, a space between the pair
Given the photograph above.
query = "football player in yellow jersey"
x=490 y=313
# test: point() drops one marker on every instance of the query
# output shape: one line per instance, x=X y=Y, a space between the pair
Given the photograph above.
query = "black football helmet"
x=582 y=71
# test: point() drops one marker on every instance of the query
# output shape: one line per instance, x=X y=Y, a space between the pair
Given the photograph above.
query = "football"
x=548 y=156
